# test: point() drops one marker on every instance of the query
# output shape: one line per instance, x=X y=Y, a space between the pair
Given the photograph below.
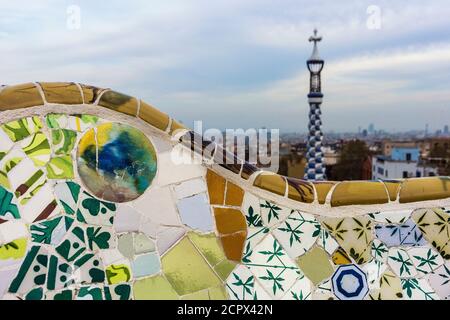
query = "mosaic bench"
x=92 y=206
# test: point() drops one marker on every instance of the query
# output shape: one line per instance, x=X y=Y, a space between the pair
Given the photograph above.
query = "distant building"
x=367 y=169
x=403 y=162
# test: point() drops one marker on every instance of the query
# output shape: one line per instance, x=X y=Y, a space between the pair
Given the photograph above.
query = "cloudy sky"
x=241 y=63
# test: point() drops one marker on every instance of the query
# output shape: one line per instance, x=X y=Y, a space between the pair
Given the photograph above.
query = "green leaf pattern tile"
x=59 y=241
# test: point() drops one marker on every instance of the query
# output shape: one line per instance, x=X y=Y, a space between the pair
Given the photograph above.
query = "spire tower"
x=315 y=170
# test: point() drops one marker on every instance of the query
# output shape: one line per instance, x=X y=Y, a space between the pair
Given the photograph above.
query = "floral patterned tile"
x=399 y=216
x=67 y=195
x=50 y=231
x=63 y=141
x=89 y=269
x=9 y=209
x=73 y=244
x=119 y=272
x=33 y=271
x=272 y=267
x=255 y=226
x=118 y=292
x=354 y=235
x=418 y=289
x=18 y=130
x=37 y=148
x=242 y=285
x=406 y=234
x=272 y=214
x=78 y=123
x=298 y=233
x=326 y=241
x=435 y=225
x=440 y=281
x=94 y=211
x=390 y=287
x=401 y=263
x=374 y=270
x=301 y=290
x=379 y=251
x=5 y=144
x=425 y=259
x=60 y=167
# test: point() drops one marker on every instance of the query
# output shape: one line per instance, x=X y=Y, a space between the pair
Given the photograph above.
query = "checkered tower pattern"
x=315 y=170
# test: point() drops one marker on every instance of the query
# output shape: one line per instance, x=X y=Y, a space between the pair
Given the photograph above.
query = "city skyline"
x=242 y=65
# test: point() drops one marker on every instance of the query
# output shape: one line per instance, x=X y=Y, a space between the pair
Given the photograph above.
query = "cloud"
x=242 y=63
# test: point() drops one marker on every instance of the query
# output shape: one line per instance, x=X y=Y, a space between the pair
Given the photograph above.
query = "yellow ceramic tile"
x=216 y=187
x=234 y=195
x=300 y=190
x=359 y=192
x=390 y=287
x=175 y=126
x=61 y=92
x=271 y=182
x=422 y=189
x=392 y=187
x=186 y=270
x=119 y=102
x=354 y=235
x=91 y=93
x=315 y=265
x=153 y=116
x=322 y=189
x=20 y=96
x=435 y=226
x=229 y=220
x=340 y=257
x=233 y=245
x=154 y=288
x=209 y=246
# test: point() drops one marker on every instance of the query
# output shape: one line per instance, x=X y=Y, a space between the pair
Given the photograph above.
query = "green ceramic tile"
x=315 y=265
x=142 y=244
x=224 y=268
x=193 y=274
x=154 y=288
x=125 y=245
x=217 y=293
x=209 y=246
x=200 y=295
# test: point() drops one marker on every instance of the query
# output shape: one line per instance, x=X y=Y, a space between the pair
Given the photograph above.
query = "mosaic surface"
x=94 y=209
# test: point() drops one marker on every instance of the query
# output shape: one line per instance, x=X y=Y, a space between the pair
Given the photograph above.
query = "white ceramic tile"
x=398 y=216
x=167 y=237
x=298 y=233
x=12 y=230
x=425 y=259
x=190 y=188
x=242 y=285
x=158 y=205
x=174 y=169
x=36 y=205
x=126 y=219
x=401 y=263
x=196 y=213
x=272 y=267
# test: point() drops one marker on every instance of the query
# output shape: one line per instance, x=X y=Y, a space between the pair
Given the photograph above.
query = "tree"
x=350 y=164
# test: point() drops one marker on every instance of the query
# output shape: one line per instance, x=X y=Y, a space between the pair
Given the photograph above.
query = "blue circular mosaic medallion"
x=349 y=283
x=116 y=162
